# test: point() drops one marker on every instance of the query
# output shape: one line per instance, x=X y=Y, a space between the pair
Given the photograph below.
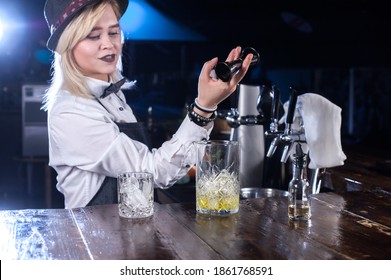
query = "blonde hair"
x=66 y=74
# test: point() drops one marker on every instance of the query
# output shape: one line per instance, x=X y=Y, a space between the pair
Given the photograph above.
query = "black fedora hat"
x=59 y=13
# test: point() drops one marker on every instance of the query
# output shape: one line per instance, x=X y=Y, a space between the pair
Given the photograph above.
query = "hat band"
x=70 y=10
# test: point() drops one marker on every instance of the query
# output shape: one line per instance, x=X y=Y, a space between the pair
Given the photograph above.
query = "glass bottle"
x=299 y=206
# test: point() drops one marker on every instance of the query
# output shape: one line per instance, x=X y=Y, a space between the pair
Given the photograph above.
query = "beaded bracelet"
x=203 y=109
x=198 y=119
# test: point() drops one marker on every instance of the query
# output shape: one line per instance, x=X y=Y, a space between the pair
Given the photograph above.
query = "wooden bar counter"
x=346 y=225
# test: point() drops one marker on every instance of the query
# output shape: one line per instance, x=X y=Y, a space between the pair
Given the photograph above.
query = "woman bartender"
x=93 y=133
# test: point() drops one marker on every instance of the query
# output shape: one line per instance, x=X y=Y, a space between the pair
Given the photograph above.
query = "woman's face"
x=97 y=55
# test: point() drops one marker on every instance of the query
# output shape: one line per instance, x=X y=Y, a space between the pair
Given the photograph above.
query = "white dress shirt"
x=85 y=145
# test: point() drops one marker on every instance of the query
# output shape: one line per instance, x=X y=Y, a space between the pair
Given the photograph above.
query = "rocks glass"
x=135 y=194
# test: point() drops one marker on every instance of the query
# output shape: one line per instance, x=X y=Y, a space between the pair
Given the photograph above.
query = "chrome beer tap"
x=289 y=135
x=275 y=110
x=234 y=119
x=275 y=115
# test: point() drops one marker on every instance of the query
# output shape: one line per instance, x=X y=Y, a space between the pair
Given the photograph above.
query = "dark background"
x=339 y=49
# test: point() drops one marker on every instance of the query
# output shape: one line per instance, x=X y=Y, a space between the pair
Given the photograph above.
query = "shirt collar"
x=96 y=86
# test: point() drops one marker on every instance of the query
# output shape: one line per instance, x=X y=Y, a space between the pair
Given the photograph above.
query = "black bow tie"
x=113 y=88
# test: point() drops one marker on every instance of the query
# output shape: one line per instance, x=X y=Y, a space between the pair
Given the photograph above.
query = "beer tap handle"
x=291 y=110
x=275 y=106
x=263 y=102
x=276 y=102
x=287 y=136
x=275 y=109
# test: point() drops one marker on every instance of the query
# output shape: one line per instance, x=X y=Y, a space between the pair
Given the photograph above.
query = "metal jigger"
x=225 y=70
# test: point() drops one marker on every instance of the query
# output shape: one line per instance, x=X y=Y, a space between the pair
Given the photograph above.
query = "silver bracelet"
x=203 y=109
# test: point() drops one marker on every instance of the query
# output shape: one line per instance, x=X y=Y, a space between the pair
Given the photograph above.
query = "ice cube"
x=146 y=187
x=133 y=195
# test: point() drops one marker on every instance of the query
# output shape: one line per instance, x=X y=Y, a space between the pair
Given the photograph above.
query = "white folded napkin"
x=322 y=126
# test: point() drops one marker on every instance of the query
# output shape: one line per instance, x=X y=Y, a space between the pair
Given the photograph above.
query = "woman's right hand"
x=212 y=91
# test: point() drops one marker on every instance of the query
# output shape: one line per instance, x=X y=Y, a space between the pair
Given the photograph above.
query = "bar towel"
x=322 y=128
